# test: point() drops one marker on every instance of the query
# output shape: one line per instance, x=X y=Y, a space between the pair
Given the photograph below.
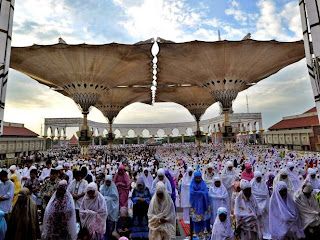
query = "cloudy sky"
x=127 y=21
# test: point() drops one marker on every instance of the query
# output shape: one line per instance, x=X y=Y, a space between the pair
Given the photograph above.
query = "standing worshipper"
x=260 y=192
x=208 y=175
x=122 y=182
x=3 y=226
x=312 y=178
x=228 y=178
x=161 y=215
x=185 y=193
x=60 y=217
x=222 y=229
x=23 y=223
x=161 y=178
x=46 y=171
x=200 y=209
x=110 y=193
x=141 y=199
x=248 y=216
x=13 y=170
x=173 y=186
x=270 y=183
x=50 y=185
x=26 y=172
x=218 y=198
x=6 y=193
x=93 y=212
x=293 y=176
x=235 y=194
x=247 y=173
x=284 y=222
x=77 y=190
x=283 y=176
x=309 y=210
x=17 y=188
x=66 y=167
x=147 y=178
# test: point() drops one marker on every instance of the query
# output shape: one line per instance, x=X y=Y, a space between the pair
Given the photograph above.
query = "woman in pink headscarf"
x=122 y=182
x=247 y=173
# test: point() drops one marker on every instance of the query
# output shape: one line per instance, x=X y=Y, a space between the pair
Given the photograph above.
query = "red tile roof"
x=18 y=131
x=296 y=123
x=314 y=109
x=73 y=140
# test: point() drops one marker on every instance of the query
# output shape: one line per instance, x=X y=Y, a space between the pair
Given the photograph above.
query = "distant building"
x=73 y=142
x=298 y=132
x=18 y=141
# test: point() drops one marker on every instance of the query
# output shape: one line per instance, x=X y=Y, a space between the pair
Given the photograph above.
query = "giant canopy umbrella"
x=224 y=68
x=84 y=72
x=114 y=100
x=193 y=98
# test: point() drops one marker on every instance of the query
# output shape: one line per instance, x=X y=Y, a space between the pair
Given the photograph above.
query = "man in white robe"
x=26 y=172
x=45 y=171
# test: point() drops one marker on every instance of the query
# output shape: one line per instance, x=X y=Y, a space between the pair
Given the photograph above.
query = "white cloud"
x=166 y=19
x=234 y=10
x=275 y=21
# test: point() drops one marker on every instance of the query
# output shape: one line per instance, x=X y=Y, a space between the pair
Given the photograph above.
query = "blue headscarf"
x=199 y=199
x=3 y=226
x=111 y=197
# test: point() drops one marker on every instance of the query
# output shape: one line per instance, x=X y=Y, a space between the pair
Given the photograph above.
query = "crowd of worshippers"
x=133 y=192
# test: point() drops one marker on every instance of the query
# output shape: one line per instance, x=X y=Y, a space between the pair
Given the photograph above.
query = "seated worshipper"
x=141 y=199
x=50 y=185
x=161 y=178
x=161 y=215
x=309 y=210
x=312 y=178
x=200 y=209
x=23 y=223
x=247 y=173
x=77 y=189
x=219 y=197
x=284 y=222
x=17 y=188
x=13 y=170
x=228 y=177
x=124 y=224
x=283 y=176
x=122 y=182
x=235 y=194
x=260 y=192
x=60 y=216
x=208 y=175
x=6 y=193
x=185 y=193
x=222 y=229
x=248 y=216
x=93 y=212
x=173 y=186
x=147 y=178
x=46 y=171
x=110 y=193
x=3 y=226
x=293 y=176
x=270 y=183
